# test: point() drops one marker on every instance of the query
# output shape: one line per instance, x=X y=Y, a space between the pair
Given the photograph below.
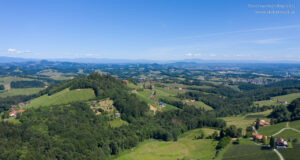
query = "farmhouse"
x=125 y=80
x=117 y=115
x=13 y=113
x=21 y=104
x=262 y=123
x=282 y=102
x=281 y=143
x=257 y=136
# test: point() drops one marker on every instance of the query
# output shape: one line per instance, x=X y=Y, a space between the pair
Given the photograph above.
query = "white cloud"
x=268 y=41
x=15 y=51
x=192 y=55
x=11 y=50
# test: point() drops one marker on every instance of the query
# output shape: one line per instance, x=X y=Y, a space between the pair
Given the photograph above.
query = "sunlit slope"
x=63 y=97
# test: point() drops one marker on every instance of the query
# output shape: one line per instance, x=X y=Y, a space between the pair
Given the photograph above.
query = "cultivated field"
x=291 y=153
x=249 y=152
x=185 y=147
x=63 y=97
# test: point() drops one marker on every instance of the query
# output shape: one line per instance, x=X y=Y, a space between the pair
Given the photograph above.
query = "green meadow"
x=270 y=130
x=273 y=101
x=63 y=97
x=243 y=121
x=117 y=122
x=185 y=147
x=291 y=153
x=21 y=91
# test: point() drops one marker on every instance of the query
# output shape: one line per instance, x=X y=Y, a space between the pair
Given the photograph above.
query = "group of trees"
x=27 y=84
x=2 y=87
x=227 y=101
x=283 y=113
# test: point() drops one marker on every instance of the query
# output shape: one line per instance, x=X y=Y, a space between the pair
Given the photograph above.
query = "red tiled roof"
x=21 y=110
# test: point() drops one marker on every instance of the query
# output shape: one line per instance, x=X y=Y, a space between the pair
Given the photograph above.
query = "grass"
x=288 y=134
x=8 y=79
x=249 y=152
x=22 y=91
x=63 y=97
x=270 y=130
x=295 y=124
x=185 y=147
x=118 y=122
x=291 y=153
x=243 y=121
x=273 y=101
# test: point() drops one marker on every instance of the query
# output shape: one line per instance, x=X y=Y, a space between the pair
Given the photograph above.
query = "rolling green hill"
x=63 y=97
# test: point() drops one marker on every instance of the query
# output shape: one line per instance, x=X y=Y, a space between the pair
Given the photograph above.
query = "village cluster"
x=280 y=142
x=16 y=109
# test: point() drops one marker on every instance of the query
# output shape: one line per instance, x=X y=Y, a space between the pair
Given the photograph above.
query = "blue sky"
x=149 y=29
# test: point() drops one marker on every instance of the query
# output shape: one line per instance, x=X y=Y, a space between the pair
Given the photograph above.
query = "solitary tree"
x=272 y=142
x=257 y=124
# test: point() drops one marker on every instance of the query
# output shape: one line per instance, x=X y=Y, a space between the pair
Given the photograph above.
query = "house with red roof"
x=13 y=113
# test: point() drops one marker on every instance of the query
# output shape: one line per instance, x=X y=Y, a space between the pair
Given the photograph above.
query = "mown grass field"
x=185 y=147
x=289 y=134
x=118 y=122
x=249 y=152
x=243 y=121
x=295 y=124
x=23 y=91
x=291 y=153
x=273 y=101
x=63 y=97
x=270 y=130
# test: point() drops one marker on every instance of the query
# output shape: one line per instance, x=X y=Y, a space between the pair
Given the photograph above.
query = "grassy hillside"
x=273 y=101
x=243 y=121
x=185 y=147
x=270 y=130
x=295 y=124
x=63 y=97
x=22 y=91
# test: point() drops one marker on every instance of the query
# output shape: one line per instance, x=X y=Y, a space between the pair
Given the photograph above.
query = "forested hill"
x=74 y=131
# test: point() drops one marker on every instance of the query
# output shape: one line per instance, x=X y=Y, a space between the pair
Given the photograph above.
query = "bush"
x=223 y=143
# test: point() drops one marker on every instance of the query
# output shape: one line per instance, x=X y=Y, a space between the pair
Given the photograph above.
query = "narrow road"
x=287 y=127
x=278 y=154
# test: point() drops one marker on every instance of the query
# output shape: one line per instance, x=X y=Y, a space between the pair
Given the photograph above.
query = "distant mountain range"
x=4 y=59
